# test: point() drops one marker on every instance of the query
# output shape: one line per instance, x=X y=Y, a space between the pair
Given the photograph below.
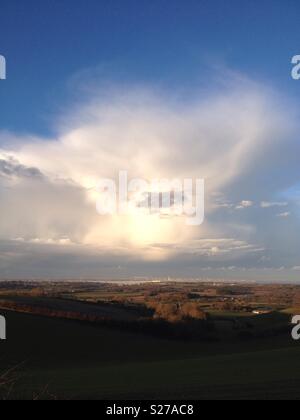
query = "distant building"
x=261 y=312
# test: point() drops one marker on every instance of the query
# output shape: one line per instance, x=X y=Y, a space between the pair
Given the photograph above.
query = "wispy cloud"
x=267 y=205
x=284 y=215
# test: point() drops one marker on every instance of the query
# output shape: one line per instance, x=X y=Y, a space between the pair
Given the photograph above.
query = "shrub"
x=174 y=312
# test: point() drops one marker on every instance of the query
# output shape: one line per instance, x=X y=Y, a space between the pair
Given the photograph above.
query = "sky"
x=161 y=89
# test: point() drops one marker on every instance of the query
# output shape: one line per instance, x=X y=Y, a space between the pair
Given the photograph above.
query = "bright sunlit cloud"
x=48 y=187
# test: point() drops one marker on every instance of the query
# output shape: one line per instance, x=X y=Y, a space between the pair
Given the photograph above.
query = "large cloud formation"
x=241 y=140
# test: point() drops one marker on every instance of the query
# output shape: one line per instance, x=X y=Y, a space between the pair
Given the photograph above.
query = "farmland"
x=55 y=356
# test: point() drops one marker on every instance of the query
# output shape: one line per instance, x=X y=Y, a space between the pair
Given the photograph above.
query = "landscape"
x=157 y=340
x=149 y=202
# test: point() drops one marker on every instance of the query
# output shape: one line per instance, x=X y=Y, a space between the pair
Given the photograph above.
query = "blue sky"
x=193 y=88
x=164 y=42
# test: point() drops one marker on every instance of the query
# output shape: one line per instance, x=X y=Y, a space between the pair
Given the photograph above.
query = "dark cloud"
x=10 y=168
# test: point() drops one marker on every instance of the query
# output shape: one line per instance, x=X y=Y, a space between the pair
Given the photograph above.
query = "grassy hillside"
x=66 y=359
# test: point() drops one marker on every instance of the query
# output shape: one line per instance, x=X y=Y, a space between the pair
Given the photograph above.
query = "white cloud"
x=47 y=186
x=245 y=204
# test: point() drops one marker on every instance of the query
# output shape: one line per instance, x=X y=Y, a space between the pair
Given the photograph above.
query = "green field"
x=66 y=359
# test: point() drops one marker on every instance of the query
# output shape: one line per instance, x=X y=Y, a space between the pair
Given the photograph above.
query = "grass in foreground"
x=65 y=359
